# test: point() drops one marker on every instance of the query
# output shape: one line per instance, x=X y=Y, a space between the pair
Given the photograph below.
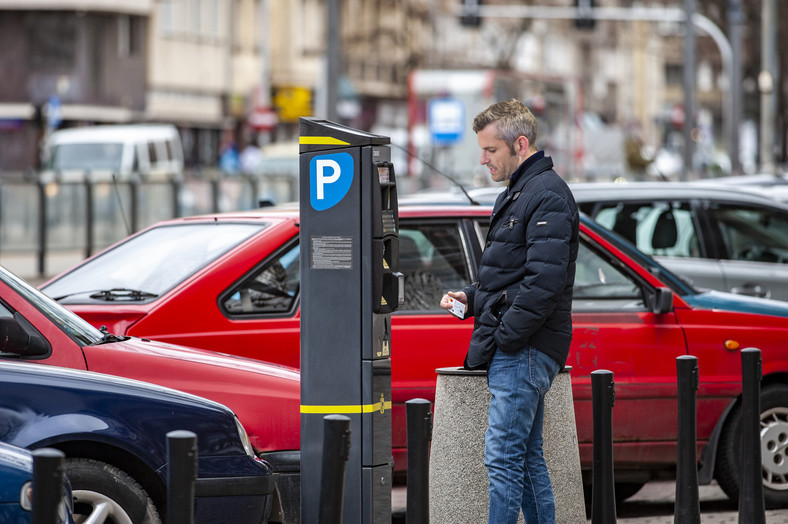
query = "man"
x=522 y=308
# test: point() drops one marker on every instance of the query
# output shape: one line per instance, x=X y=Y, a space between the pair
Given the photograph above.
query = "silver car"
x=719 y=237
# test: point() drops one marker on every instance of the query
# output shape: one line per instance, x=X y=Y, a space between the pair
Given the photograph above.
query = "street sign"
x=54 y=112
x=263 y=119
x=446 y=120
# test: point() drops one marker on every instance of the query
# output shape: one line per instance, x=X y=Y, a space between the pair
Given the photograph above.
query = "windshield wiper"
x=107 y=337
x=120 y=293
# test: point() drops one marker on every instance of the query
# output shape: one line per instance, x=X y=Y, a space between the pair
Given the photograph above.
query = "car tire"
x=774 y=432
x=100 y=487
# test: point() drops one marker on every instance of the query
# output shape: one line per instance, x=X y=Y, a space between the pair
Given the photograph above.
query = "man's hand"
x=456 y=295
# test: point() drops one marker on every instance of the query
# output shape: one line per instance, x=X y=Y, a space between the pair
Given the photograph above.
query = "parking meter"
x=350 y=284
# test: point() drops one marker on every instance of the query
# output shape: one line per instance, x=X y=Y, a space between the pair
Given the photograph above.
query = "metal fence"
x=44 y=217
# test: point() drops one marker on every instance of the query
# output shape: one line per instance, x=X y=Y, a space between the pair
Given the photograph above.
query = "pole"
x=419 y=437
x=767 y=82
x=265 y=52
x=687 y=505
x=48 y=467
x=734 y=29
x=42 y=227
x=751 y=505
x=332 y=60
x=181 y=474
x=603 y=494
x=689 y=89
x=336 y=451
x=90 y=219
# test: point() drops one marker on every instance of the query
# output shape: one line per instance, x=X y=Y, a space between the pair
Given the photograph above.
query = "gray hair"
x=513 y=120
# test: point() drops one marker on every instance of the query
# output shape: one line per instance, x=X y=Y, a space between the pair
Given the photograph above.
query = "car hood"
x=722 y=301
x=265 y=397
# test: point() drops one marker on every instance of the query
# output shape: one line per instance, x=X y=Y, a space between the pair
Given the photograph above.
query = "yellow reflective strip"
x=322 y=140
x=328 y=410
x=371 y=408
x=339 y=410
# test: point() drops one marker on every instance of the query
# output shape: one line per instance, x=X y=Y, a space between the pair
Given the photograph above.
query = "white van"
x=146 y=149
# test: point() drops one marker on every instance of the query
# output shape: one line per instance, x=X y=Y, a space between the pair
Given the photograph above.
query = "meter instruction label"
x=331 y=252
x=330 y=178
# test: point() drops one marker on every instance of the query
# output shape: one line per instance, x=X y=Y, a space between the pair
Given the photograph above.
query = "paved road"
x=653 y=504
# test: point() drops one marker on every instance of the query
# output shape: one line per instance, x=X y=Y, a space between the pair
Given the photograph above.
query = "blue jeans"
x=513 y=442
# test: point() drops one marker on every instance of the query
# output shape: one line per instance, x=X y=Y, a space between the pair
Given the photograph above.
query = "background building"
x=242 y=71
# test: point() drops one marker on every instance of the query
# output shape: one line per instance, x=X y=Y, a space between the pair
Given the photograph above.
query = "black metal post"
x=89 y=217
x=419 y=436
x=134 y=204
x=687 y=505
x=336 y=451
x=215 y=190
x=48 y=467
x=751 y=505
x=603 y=494
x=254 y=189
x=42 y=228
x=176 y=184
x=181 y=474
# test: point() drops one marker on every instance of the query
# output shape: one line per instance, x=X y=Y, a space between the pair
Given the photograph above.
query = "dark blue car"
x=16 y=488
x=113 y=432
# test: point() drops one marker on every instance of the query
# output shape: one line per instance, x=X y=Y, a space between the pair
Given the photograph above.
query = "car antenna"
x=438 y=171
x=120 y=203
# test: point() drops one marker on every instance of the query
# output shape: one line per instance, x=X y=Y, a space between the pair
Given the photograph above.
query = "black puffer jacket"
x=524 y=293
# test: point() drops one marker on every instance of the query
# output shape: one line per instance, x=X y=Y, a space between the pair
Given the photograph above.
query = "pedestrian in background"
x=522 y=308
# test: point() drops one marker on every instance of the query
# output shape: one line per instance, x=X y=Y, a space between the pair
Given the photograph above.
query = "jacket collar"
x=521 y=176
x=522 y=168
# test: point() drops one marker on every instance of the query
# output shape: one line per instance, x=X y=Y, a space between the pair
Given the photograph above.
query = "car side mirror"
x=662 y=301
x=18 y=338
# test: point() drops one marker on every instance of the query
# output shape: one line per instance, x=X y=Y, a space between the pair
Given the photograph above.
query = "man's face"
x=496 y=155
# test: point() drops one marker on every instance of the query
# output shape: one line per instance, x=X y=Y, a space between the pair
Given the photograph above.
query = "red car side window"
x=271 y=289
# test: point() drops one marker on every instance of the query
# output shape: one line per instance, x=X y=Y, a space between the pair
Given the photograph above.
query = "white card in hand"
x=457 y=308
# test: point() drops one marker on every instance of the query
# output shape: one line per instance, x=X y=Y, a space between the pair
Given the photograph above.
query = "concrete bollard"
x=457 y=476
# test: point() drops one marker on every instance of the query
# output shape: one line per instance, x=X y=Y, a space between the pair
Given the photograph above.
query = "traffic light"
x=585 y=17
x=471 y=20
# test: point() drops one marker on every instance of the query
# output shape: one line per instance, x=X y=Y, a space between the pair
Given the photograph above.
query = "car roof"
x=122 y=133
x=606 y=191
x=290 y=211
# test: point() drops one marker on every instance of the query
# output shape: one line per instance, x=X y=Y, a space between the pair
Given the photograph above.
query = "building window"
x=129 y=35
x=674 y=74
x=166 y=23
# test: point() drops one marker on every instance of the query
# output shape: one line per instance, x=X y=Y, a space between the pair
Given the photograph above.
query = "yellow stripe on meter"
x=321 y=141
x=347 y=410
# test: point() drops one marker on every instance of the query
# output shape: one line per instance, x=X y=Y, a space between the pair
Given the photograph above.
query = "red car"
x=230 y=283
x=265 y=397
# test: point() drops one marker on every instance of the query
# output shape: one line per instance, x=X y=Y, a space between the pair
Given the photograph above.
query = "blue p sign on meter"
x=330 y=178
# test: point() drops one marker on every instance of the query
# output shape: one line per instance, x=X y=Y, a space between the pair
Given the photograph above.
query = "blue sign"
x=54 y=112
x=330 y=177
x=446 y=120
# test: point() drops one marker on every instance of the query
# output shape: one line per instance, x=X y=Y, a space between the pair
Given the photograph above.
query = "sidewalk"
x=25 y=265
x=653 y=504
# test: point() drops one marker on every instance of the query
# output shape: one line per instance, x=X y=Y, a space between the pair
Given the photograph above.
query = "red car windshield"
x=149 y=264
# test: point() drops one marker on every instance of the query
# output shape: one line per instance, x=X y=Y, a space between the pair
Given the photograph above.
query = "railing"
x=48 y=217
